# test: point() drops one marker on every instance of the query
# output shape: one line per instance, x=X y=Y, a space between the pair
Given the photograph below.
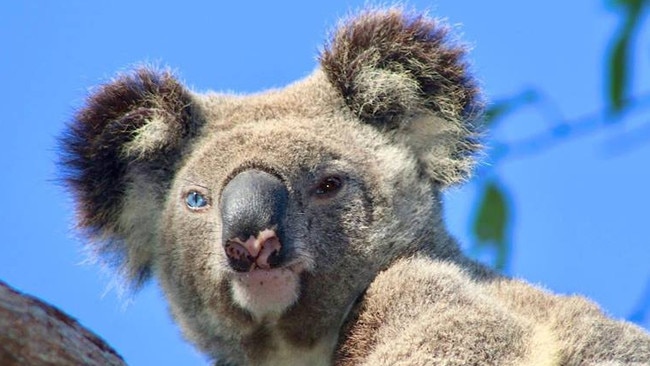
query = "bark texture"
x=35 y=333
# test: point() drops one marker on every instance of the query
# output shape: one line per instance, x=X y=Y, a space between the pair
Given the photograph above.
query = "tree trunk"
x=35 y=333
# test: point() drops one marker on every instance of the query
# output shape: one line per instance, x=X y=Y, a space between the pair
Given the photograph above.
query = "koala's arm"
x=423 y=312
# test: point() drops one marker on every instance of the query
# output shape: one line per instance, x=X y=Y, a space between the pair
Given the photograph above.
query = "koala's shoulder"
x=421 y=307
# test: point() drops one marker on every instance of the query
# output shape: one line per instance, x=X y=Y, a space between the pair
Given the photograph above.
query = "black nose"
x=253 y=210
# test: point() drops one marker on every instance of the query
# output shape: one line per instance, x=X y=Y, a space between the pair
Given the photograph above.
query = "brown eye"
x=328 y=187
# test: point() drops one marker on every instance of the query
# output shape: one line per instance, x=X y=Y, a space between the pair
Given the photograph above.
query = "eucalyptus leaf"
x=492 y=222
x=620 y=54
x=618 y=72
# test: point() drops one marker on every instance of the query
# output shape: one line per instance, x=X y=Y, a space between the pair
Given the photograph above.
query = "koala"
x=303 y=225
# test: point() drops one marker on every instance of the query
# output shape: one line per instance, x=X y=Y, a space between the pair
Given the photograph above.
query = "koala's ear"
x=119 y=154
x=401 y=73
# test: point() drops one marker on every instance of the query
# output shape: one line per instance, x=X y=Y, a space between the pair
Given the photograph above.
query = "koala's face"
x=270 y=201
x=265 y=217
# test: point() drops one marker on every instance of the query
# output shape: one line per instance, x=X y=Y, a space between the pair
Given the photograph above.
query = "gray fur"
x=375 y=278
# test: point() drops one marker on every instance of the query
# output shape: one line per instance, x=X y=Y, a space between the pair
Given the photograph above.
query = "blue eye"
x=195 y=200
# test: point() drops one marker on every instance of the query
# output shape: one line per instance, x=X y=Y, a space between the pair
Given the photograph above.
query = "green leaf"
x=492 y=222
x=618 y=73
x=619 y=65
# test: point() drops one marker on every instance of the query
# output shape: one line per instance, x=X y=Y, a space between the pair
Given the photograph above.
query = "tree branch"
x=564 y=131
x=35 y=333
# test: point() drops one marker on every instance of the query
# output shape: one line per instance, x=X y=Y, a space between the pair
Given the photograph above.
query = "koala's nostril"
x=262 y=252
x=238 y=257
x=270 y=253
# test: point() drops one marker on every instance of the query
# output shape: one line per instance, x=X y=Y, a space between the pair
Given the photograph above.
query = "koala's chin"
x=266 y=293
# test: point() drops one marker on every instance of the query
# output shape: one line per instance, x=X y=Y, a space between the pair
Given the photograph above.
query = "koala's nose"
x=253 y=209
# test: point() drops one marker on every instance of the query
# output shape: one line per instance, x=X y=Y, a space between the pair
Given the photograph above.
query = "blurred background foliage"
x=491 y=223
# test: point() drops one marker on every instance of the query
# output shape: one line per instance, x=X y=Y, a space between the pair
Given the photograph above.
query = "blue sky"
x=581 y=208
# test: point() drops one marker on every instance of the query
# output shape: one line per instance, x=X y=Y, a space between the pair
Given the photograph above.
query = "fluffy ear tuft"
x=393 y=68
x=130 y=128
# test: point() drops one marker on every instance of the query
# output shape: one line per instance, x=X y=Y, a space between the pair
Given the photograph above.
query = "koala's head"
x=267 y=215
